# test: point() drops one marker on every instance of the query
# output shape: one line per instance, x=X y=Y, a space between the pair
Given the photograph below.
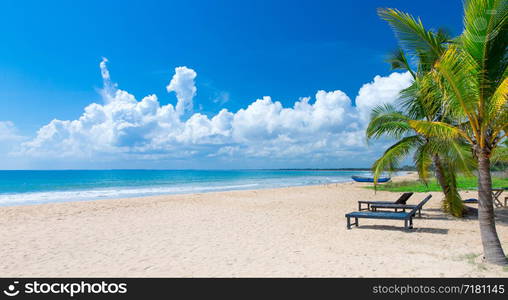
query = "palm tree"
x=418 y=104
x=473 y=74
x=386 y=120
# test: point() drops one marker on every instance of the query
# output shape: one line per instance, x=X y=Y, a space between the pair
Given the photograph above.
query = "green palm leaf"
x=386 y=120
x=413 y=37
x=434 y=129
x=398 y=61
x=485 y=39
x=394 y=154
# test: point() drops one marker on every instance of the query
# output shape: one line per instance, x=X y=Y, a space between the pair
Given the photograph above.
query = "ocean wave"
x=84 y=195
x=95 y=193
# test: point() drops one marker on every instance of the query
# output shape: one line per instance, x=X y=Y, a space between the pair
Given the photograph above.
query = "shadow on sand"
x=502 y=215
x=437 y=214
x=401 y=229
x=472 y=214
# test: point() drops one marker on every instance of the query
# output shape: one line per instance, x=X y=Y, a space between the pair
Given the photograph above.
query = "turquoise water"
x=32 y=187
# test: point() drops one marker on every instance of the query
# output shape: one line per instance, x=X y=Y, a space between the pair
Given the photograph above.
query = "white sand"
x=298 y=231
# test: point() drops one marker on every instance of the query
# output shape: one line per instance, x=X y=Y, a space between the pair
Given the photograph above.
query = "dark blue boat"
x=370 y=179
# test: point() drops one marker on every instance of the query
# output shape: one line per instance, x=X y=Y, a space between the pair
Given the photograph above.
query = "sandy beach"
x=286 y=232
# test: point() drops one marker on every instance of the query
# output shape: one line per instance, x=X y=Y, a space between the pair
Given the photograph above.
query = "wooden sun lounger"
x=402 y=200
x=407 y=217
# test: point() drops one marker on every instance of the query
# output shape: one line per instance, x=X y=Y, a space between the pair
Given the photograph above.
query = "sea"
x=26 y=187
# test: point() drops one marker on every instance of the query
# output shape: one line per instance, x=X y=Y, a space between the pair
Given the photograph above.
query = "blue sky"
x=241 y=51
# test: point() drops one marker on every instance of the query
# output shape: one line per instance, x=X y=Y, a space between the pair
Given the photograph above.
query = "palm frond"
x=410 y=101
x=386 y=120
x=434 y=129
x=452 y=203
x=398 y=61
x=394 y=154
x=500 y=154
x=498 y=104
x=460 y=156
x=423 y=160
x=485 y=39
x=412 y=35
x=458 y=78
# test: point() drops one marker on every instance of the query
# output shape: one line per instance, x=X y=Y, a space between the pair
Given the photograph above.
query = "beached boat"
x=370 y=179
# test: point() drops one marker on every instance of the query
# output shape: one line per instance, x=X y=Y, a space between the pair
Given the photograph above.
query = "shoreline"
x=126 y=187
x=283 y=232
x=408 y=175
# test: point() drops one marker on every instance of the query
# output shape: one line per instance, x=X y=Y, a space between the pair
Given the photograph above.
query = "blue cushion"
x=379 y=215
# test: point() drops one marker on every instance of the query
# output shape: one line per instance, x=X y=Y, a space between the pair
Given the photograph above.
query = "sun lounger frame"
x=406 y=195
x=407 y=217
x=396 y=207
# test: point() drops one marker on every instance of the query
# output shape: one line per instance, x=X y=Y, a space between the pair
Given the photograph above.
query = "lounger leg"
x=405 y=224
x=420 y=213
x=410 y=223
x=348 y=223
x=356 y=222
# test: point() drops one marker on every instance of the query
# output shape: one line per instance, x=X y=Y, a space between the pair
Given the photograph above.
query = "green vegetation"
x=463 y=183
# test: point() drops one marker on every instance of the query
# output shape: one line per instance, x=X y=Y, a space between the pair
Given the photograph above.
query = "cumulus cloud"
x=182 y=84
x=381 y=90
x=327 y=125
x=109 y=87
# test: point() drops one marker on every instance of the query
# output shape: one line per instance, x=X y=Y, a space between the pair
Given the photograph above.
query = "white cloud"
x=109 y=87
x=321 y=128
x=381 y=90
x=182 y=84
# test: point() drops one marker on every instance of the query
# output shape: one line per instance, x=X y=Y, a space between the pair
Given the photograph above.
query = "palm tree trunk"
x=440 y=173
x=491 y=245
x=447 y=180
